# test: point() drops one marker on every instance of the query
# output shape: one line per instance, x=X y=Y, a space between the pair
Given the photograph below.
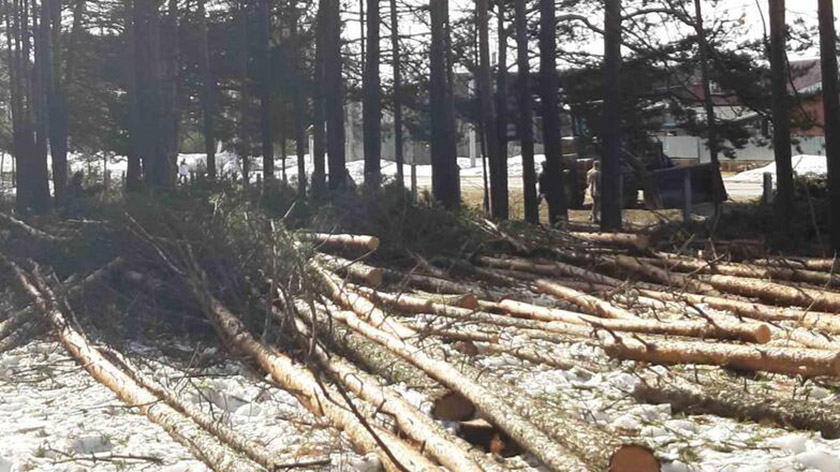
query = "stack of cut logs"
x=379 y=326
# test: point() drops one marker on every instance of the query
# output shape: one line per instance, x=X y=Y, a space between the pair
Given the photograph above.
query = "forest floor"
x=563 y=330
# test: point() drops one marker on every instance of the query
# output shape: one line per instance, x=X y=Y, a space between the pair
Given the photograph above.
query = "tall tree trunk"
x=501 y=210
x=244 y=141
x=708 y=102
x=395 y=64
x=149 y=90
x=372 y=101
x=208 y=91
x=265 y=90
x=486 y=105
x=318 y=128
x=781 y=111
x=445 y=178
x=298 y=104
x=334 y=96
x=831 y=106
x=611 y=152
x=57 y=100
x=525 y=125
x=133 y=177
x=42 y=77
x=552 y=135
x=169 y=134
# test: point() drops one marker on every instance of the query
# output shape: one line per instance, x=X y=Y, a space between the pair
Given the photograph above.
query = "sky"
x=753 y=14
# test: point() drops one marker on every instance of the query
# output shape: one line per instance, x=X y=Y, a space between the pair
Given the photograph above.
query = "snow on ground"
x=56 y=417
x=697 y=443
x=803 y=164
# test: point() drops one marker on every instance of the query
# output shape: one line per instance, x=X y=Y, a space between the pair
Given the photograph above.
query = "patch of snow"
x=819 y=460
x=6 y=466
x=803 y=164
x=91 y=444
x=368 y=463
x=796 y=442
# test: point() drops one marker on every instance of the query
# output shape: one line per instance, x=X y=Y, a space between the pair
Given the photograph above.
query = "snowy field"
x=56 y=417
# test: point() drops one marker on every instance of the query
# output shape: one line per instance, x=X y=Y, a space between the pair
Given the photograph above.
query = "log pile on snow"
x=363 y=328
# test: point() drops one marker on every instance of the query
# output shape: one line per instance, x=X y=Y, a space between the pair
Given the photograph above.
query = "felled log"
x=748 y=332
x=586 y=302
x=419 y=302
x=20 y=336
x=438 y=443
x=427 y=283
x=807 y=263
x=18 y=318
x=638 y=267
x=687 y=264
x=343 y=241
x=590 y=444
x=203 y=445
x=295 y=378
x=28 y=230
x=636 y=241
x=492 y=407
x=790 y=361
x=232 y=438
x=555 y=268
x=723 y=398
x=775 y=293
x=817 y=320
x=356 y=302
x=355 y=269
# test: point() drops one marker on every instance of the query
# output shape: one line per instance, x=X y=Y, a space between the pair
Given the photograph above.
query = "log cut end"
x=373 y=277
x=632 y=458
x=762 y=334
x=453 y=406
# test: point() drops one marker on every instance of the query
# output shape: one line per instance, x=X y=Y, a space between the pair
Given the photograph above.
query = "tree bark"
x=344 y=241
x=318 y=123
x=502 y=209
x=57 y=96
x=266 y=129
x=724 y=399
x=827 y=322
x=781 y=112
x=550 y=100
x=313 y=394
x=790 y=361
x=244 y=145
x=202 y=444
x=334 y=95
x=207 y=96
x=372 y=101
x=831 y=108
x=299 y=104
x=784 y=295
x=487 y=107
x=397 y=97
x=708 y=98
x=747 y=332
x=134 y=173
x=611 y=152
x=441 y=445
x=525 y=123
x=445 y=172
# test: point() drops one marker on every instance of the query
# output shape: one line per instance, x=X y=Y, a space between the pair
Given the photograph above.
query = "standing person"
x=593 y=182
x=183 y=172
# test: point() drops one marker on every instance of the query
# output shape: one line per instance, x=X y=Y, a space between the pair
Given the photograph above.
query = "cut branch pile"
x=352 y=328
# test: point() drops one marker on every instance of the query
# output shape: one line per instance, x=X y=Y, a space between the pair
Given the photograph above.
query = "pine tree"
x=611 y=153
x=525 y=123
